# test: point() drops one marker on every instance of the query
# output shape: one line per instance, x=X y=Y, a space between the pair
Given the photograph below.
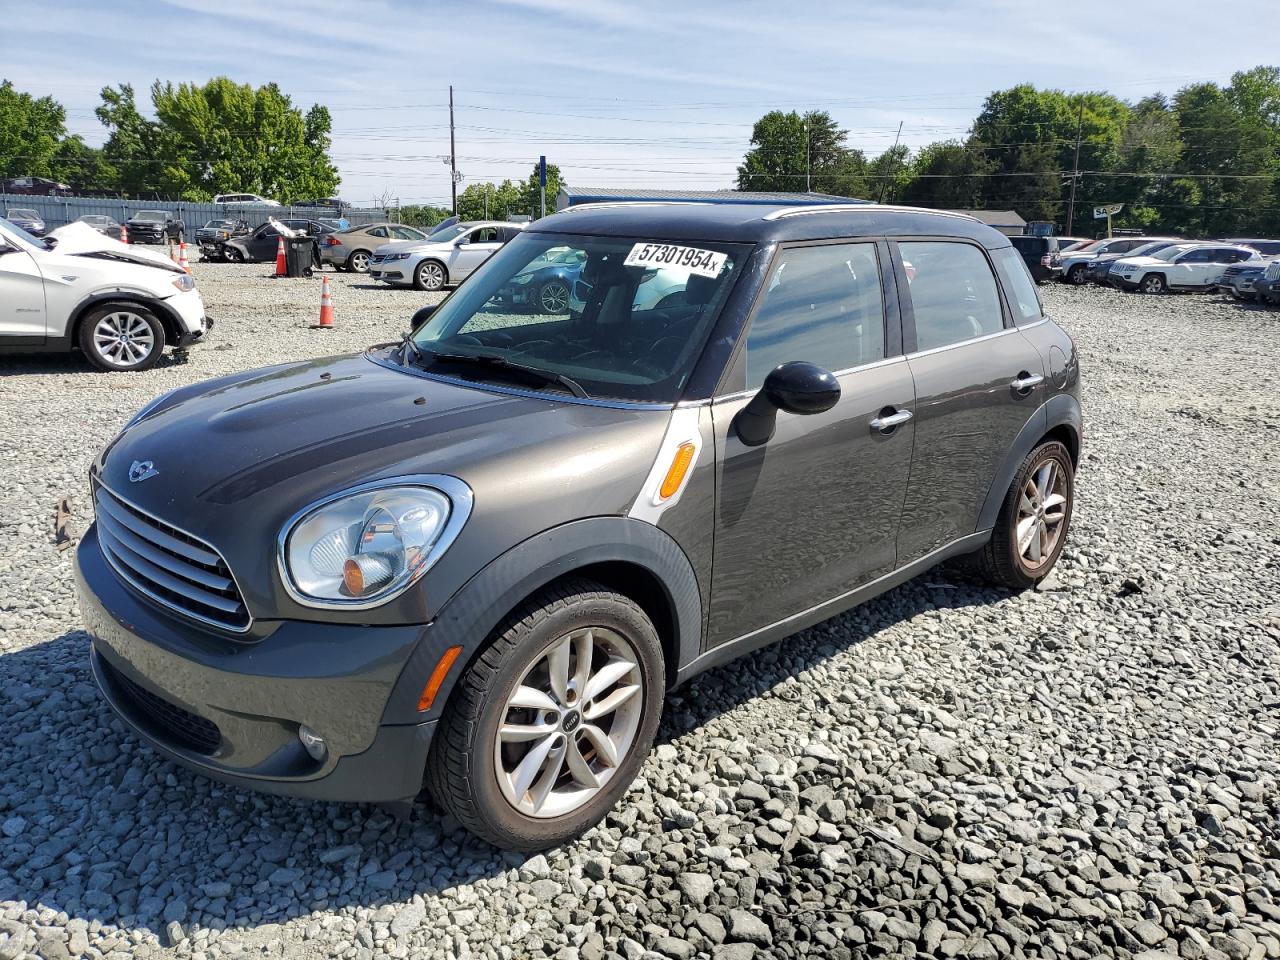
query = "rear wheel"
x=358 y=262
x=1153 y=283
x=122 y=337
x=1076 y=275
x=553 y=297
x=552 y=721
x=1032 y=525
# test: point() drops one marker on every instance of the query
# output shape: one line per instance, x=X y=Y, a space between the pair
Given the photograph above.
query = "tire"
x=430 y=275
x=1075 y=275
x=1001 y=561
x=475 y=778
x=121 y=337
x=234 y=255
x=553 y=297
x=1153 y=283
x=358 y=261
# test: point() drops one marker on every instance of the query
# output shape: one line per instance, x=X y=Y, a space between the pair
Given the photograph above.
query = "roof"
x=993 y=218
x=677 y=220
x=576 y=195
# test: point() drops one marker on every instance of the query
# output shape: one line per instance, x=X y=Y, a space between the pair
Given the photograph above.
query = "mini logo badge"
x=142 y=470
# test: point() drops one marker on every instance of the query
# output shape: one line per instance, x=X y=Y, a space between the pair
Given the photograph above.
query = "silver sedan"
x=350 y=249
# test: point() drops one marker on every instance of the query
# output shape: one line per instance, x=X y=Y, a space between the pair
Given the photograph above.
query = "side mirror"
x=797 y=387
x=7 y=249
x=422 y=315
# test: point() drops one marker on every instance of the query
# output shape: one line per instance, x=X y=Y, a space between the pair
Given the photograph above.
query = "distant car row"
x=1160 y=264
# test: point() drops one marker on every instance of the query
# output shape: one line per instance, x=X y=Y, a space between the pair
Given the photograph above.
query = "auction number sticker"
x=705 y=263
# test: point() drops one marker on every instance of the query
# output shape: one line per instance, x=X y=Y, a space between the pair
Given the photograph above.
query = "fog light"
x=313 y=742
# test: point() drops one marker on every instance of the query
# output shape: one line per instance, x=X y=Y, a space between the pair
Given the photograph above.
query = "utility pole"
x=453 y=156
x=486 y=201
x=807 y=166
x=893 y=160
x=1075 y=177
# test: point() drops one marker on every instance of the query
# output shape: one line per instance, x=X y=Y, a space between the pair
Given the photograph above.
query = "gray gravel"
x=1088 y=769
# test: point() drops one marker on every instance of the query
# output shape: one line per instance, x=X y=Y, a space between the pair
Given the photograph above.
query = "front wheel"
x=430 y=275
x=553 y=297
x=552 y=721
x=1031 y=527
x=1076 y=275
x=1153 y=283
x=122 y=337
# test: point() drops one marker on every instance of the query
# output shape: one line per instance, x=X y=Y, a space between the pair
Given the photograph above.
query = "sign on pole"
x=1107 y=211
x=542 y=184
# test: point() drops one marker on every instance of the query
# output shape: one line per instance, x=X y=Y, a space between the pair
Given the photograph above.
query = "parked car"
x=1067 y=244
x=1239 y=281
x=1098 y=269
x=1267 y=287
x=35 y=187
x=444 y=258
x=505 y=539
x=214 y=233
x=238 y=198
x=331 y=203
x=155 y=226
x=546 y=283
x=350 y=249
x=1266 y=247
x=27 y=219
x=259 y=246
x=1041 y=255
x=77 y=288
x=1183 y=266
x=103 y=224
x=1075 y=263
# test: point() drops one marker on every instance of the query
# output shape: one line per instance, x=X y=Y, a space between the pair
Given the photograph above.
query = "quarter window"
x=953 y=292
x=823 y=304
x=1019 y=285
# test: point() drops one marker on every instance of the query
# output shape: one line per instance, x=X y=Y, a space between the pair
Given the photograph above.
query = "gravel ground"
x=1087 y=769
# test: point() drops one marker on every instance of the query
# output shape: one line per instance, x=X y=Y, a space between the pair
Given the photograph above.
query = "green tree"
x=948 y=176
x=423 y=216
x=131 y=150
x=889 y=174
x=30 y=131
x=489 y=201
x=529 y=199
x=788 y=150
x=81 y=167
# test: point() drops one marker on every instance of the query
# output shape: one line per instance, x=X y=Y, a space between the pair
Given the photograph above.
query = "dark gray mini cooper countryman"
x=476 y=560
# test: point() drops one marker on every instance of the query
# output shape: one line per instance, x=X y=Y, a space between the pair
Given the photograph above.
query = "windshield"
x=621 y=317
x=21 y=234
x=1168 y=253
x=24 y=213
x=218 y=223
x=149 y=215
x=449 y=233
x=1149 y=249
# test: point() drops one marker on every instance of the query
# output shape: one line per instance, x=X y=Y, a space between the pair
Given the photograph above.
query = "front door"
x=813 y=512
x=22 y=308
x=978 y=382
x=473 y=249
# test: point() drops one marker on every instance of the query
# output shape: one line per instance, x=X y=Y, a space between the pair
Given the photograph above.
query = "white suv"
x=1183 y=266
x=120 y=304
x=1076 y=263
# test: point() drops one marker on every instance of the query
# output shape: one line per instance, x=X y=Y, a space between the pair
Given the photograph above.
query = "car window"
x=822 y=304
x=953 y=293
x=1195 y=256
x=378 y=232
x=484 y=235
x=1019 y=286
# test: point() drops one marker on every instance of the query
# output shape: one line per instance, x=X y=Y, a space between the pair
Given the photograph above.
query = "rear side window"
x=1018 y=286
x=823 y=304
x=953 y=292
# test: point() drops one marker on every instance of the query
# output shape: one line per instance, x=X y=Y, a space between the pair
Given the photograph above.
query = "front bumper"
x=1129 y=281
x=231 y=710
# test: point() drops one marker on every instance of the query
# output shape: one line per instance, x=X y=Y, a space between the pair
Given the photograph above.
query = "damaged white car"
x=119 y=304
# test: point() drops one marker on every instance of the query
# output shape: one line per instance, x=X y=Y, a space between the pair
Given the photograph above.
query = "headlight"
x=395 y=256
x=185 y=282
x=363 y=547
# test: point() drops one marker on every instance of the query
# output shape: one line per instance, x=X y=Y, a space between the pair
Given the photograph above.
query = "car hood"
x=412 y=246
x=1144 y=261
x=235 y=459
x=80 y=239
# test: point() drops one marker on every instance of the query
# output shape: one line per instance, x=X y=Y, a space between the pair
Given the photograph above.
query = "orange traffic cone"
x=326 y=306
x=281 y=268
x=124 y=233
x=182 y=257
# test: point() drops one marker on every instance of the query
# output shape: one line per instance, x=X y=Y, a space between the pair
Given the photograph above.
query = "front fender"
x=1062 y=409
x=469 y=617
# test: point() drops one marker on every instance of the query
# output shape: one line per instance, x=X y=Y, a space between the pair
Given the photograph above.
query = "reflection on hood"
x=81 y=239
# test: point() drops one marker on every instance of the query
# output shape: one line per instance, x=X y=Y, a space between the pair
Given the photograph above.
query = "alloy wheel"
x=553 y=297
x=360 y=261
x=569 y=723
x=1152 y=284
x=124 y=338
x=431 y=275
x=1042 y=509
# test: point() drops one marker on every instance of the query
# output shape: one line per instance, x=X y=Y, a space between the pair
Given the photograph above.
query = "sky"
x=661 y=93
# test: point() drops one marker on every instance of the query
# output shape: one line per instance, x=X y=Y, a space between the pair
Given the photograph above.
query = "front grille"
x=181 y=726
x=167 y=564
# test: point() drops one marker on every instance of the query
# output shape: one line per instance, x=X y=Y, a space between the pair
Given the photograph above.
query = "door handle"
x=886 y=423
x=1025 y=381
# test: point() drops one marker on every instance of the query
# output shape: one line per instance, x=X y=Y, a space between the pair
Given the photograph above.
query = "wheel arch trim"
x=1061 y=410
x=170 y=322
x=469 y=617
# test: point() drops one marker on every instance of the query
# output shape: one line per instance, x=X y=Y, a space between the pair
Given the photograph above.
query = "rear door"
x=812 y=513
x=978 y=382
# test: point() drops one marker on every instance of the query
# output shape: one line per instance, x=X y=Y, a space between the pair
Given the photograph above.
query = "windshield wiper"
x=502 y=363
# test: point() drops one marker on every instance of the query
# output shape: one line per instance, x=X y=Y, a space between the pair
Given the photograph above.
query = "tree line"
x=206 y=139
x=1202 y=162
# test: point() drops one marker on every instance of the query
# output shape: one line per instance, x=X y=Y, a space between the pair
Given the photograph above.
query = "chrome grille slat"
x=164 y=561
x=149 y=531
x=167 y=564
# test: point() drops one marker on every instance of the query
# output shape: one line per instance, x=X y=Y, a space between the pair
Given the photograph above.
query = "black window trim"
x=732 y=384
x=909 y=343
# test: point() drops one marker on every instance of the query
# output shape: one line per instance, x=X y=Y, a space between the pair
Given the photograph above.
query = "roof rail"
x=811 y=209
x=635 y=203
